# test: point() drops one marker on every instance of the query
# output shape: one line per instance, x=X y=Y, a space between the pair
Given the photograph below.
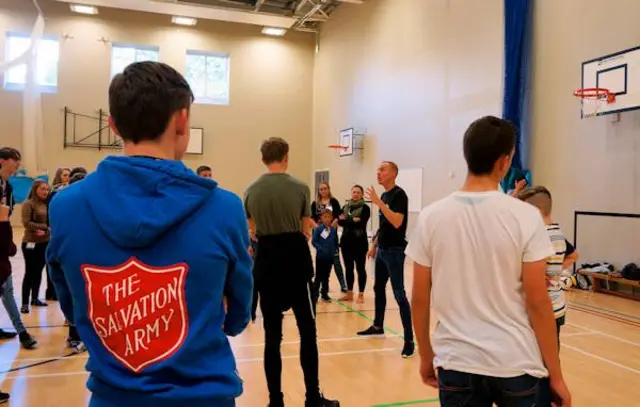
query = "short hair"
x=393 y=165
x=10 y=153
x=144 y=97
x=359 y=187
x=78 y=176
x=77 y=170
x=202 y=169
x=274 y=150
x=539 y=196
x=485 y=141
x=326 y=211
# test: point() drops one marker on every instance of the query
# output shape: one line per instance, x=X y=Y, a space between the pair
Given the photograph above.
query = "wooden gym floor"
x=600 y=354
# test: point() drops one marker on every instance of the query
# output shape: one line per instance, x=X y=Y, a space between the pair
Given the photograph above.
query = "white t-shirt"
x=475 y=244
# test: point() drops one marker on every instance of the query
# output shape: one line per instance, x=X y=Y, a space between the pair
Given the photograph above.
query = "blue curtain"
x=518 y=21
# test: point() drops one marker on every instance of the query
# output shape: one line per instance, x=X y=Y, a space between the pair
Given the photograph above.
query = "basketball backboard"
x=620 y=74
x=347 y=140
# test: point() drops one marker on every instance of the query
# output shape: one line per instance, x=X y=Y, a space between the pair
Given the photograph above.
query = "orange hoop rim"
x=338 y=146
x=595 y=94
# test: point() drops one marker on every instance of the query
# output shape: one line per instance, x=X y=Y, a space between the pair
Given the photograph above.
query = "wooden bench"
x=601 y=283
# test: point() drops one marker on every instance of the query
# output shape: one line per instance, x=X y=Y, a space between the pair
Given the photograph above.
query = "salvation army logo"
x=138 y=311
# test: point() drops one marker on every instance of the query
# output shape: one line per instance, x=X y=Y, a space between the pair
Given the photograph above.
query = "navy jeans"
x=390 y=266
x=459 y=389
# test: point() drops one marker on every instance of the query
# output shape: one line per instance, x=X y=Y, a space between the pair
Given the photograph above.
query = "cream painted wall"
x=415 y=74
x=271 y=86
x=592 y=164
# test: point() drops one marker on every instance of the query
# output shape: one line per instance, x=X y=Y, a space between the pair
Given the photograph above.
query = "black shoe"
x=371 y=331
x=24 y=309
x=408 y=350
x=7 y=335
x=27 y=341
x=343 y=290
x=4 y=397
x=38 y=303
x=321 y=402
x=276 y=401
x=326 y=298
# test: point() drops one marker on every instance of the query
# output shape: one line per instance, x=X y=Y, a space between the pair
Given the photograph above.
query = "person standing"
x=9 y=163
x=279 y=212
x=480 y=258
x=325 y=200
x=388 y=250
x=354 y=241
x=156 y=277
x=35 y=220
x=7 y=249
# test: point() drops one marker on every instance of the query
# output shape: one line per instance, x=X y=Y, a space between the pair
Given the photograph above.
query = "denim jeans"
x=9 y=302
x=390 y=266
x=459 y=389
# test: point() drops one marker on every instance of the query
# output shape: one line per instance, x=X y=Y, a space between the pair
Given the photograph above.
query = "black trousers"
x=284 y=270
x=34 y=263
x=355 y=255
x=321 y=281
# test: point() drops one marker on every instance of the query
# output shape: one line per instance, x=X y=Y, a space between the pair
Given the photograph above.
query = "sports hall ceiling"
x=300 y=15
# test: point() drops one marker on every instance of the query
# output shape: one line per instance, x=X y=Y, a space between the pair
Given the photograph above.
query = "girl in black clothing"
x=354 y=241
x=325 y=200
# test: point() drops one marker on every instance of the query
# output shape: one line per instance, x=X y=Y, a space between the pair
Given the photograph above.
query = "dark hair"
x=359 y=187
x=10 y=153
x=274 y=150
x=143 y=98
x=486 y=141
x=77 y=170
x=202 y=169
x=78 y=176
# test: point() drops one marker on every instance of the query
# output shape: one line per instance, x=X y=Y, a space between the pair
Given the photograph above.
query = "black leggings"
x=34 y=262
x=357 y=256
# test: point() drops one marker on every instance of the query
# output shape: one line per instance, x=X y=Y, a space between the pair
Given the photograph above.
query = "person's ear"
x=182 y=122
x=112 y=125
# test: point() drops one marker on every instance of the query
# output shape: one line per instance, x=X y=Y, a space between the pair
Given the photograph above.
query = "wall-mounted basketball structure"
x=349 y=141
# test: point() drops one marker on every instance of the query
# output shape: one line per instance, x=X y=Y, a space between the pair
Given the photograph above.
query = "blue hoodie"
x=141 y=253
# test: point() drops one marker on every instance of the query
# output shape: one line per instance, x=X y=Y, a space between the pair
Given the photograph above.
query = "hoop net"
x=593 y=100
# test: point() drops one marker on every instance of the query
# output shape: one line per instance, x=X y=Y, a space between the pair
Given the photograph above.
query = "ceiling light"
x=279 y=32
x=184 y=21
x=82 y=9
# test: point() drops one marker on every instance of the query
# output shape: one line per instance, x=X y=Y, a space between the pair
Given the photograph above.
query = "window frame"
x=136 y=47
x=208 y=100
x=19 y=87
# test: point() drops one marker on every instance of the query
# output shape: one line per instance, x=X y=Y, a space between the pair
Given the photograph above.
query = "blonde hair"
x=539 y=196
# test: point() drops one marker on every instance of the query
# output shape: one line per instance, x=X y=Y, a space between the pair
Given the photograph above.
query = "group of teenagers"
x=483 y=262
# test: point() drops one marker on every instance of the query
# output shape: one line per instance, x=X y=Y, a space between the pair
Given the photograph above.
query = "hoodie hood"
x=135 y=200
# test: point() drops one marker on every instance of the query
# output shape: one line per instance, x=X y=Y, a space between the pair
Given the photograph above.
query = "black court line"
x=44 y=362
x=36 y=327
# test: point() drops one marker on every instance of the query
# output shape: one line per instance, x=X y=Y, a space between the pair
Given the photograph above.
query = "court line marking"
x=606 y=310
x=600 y=358
x=240 y=346
x=595 y=331
x=576 y=334
x=242 y=360
x=408 y=403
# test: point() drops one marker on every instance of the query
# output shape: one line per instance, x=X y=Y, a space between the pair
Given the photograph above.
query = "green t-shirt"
x=277 y=203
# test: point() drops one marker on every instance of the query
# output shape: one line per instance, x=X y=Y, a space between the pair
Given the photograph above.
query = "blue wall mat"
x=22 y=185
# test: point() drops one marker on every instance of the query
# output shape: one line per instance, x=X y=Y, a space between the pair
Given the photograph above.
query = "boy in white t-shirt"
x=565 y=255
x=479 y=260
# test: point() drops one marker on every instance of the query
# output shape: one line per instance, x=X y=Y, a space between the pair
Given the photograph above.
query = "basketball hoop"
x=339 y=148
x=593 y=100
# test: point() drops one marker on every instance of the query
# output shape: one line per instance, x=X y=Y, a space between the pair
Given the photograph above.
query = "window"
x=124 y=55
x=46 y=64
x=208 y=76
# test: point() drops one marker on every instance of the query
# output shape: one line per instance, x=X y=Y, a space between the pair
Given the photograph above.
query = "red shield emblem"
x=138 y=311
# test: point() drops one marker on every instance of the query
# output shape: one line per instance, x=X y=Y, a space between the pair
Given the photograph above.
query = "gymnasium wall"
x=591 y=164
x=270 y=85
x=414 y=74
